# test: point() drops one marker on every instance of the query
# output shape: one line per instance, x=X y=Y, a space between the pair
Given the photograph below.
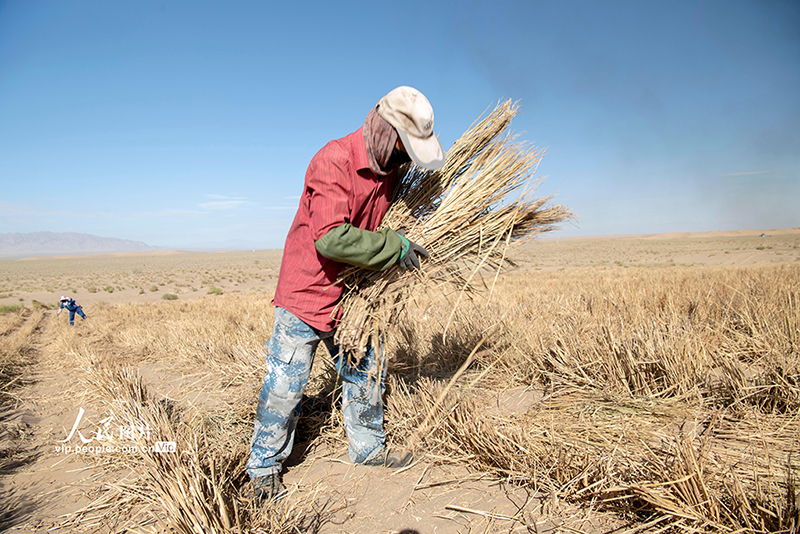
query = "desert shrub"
x=9 y=308
x=141 y=291
x=109 y=289
x=41 y=306
x=214 y=291
x=169 y=296
x=153 y=289
x=91 y=289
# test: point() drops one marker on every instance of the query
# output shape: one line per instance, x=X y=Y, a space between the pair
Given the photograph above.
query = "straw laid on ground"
x=465 y=214
x=667 y=395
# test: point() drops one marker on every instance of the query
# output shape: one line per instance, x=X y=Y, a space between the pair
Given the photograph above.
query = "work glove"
x=409 y=260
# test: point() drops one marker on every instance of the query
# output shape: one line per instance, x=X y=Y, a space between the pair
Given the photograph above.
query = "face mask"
x=397 y=158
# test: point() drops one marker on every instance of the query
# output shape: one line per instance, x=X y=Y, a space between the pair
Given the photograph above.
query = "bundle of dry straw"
x=466 y=215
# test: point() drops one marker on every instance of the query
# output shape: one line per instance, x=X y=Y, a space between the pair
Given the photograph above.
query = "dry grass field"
x=630 y=384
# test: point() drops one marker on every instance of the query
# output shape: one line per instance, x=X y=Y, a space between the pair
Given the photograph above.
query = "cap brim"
x=426 y=153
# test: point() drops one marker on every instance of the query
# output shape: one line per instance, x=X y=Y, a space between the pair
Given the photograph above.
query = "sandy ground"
x=149 y=276
x=741 y=248
x=50 y=486
x=51 y=491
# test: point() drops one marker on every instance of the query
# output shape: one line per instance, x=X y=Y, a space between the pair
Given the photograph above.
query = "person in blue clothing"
x=72 y=307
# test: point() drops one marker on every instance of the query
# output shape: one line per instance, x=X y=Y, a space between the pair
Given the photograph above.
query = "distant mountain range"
x=52 y=243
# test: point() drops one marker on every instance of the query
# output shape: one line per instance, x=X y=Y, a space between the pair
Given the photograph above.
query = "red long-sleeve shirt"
x=339 y=188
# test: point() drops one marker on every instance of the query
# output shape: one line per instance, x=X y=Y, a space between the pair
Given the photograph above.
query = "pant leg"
x=362 y=402
x=291 y=354
x=72 y=317
x=79 y=311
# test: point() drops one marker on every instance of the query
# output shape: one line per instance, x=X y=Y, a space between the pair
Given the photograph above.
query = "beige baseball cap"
x=411 y=114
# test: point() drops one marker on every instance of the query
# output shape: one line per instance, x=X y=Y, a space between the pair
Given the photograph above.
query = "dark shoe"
x=394 y=460
x=268 y=488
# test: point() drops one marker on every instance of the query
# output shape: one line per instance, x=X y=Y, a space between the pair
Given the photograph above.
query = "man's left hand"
x=410 y=260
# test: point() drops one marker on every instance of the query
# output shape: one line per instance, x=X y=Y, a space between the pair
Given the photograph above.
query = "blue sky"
x=184 y=124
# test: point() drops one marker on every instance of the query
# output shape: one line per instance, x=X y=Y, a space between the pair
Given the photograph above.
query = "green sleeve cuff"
x=406 y=245
x=376 y=251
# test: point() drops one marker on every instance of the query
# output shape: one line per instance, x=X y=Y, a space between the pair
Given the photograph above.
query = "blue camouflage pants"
x=72 y=313
x=291 y=354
